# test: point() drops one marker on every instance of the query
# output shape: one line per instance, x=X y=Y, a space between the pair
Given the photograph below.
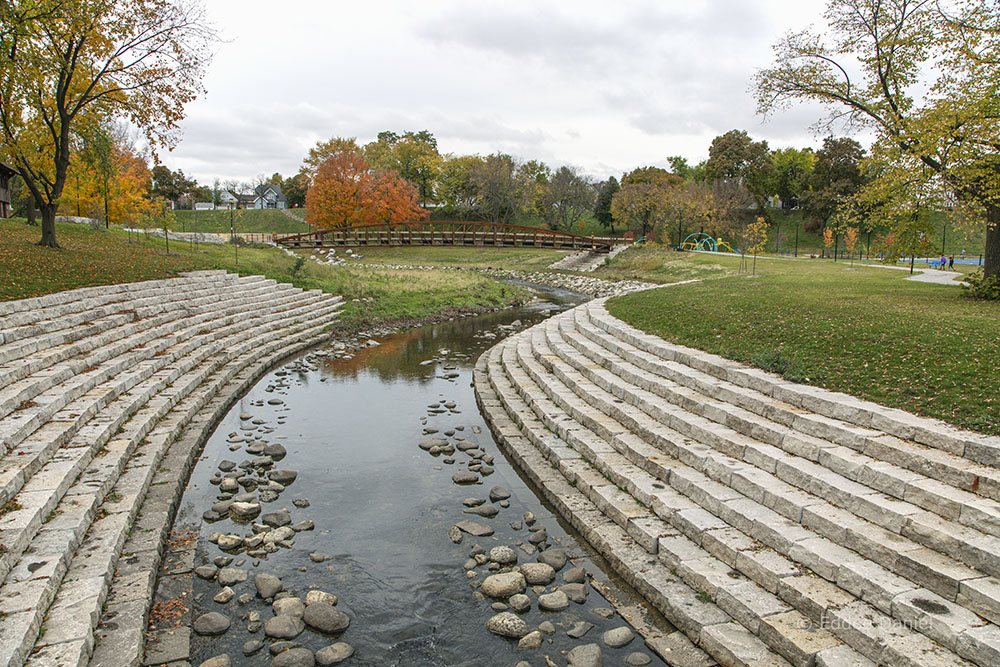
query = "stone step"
x=908 y=427
x=42 y=491
x=734 y=548
x=67 y=635
x=63 y=425
x=133 y=429
x=25 y=311
x=624 y=453
x=934 y=480
x=731 y=546
x=700 y=619
x=928 y=529
x=68 y=348
x=902 y=556
x=52 y=325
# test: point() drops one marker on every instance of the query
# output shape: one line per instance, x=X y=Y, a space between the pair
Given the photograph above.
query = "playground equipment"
x=705 y=243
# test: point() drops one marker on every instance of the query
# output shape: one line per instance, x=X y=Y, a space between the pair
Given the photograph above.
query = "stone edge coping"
x=122 y=642
x=934 y=433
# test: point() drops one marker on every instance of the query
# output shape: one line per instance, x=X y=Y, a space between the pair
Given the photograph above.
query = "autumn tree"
x=734 y=156
x=835 y=178
x=602 y=206
x=923 y=77
x=644 y=199
x=413 y=155
x=457 y=191
x=170 y=185
x=66 y=65
x=502 y=189
x=324 y=150
x=116 y=190
x=679 y=165
x=346 y=192
x=564 y=199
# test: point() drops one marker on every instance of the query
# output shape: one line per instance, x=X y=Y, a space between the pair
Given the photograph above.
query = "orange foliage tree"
x=114 y=189
x=346 y=192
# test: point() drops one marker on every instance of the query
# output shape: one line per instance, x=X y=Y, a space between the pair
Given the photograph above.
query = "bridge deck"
x=466 y=234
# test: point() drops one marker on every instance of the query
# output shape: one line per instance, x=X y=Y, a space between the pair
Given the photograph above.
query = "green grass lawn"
x=256 y=221
x=661 y=265
x=866 y=332
x=527 y=259
x=373 y=296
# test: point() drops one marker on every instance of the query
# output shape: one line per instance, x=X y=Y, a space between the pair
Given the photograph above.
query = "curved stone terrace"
x=773 y=523
x=106 y=395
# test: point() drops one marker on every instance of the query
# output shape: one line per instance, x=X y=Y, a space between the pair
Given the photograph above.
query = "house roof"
x=261 y=190
x=6 y=170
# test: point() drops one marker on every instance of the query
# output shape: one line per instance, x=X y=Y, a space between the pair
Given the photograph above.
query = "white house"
x=268 y=196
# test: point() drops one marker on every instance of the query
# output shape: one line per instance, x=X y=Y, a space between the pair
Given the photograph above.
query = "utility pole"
x=796 y=238
x=944 y=234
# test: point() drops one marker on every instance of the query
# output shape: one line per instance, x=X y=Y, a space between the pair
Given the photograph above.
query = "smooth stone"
x=529 y=519
x=275 y=451
x=283 y=477
x=300 y=503
x=267 y=585
x=212 y=623
x=507 y=624
x=222 y=561
x=604 y=612
x=308 y=524
x=312 y=597
x=276 y=519
x=575 y=592
x=296 y=657
x=318 y=557
x=229 y=542
x=504 y=585
x=588 y=655
x=530 y=641
x=580 y=629
x=283 y=627
x=275 y=401
x=334 y=654
x=555 y=557
x=497 y=606
x=474 y=529
x=473 y=502
x=547 y=627
x=538 y=574
x=217 y=661
x=227 y=466
x=428 y=445
x=575 y=575
x=503 y=555
x=281 y=647
x=206 y=572
x=618 y=637
x=455 y=535
x=230 y=576
x=638 y=659
x=326 y=618
x=252 y=646
x=225 y=595
x=538 y=537
x=486 y=511
x=465 y=478
x=289 y=607
x=519 y=603
x=486 y=470
x=268 y=496
x=556 y=601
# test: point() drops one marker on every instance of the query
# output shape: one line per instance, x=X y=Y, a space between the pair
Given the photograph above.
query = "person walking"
x=944 y=262
x=951 y=263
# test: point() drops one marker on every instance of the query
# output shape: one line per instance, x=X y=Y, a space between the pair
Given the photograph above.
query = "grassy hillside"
x=265 y=220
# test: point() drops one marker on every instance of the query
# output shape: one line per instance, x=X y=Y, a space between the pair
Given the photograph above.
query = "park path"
x=773 y=523
x=106 y=396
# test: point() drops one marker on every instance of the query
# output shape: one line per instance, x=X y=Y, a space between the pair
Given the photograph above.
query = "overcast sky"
x=602 y=86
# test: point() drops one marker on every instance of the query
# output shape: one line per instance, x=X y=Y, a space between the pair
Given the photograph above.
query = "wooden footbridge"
x=460 y=234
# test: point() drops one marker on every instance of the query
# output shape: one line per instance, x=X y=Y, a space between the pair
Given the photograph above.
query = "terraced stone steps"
x=775 y=513
x=108 y=407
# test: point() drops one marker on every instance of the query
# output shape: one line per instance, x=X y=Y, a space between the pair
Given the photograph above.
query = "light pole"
x=796 y=238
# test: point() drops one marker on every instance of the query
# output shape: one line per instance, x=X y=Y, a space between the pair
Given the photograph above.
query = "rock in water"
x=230 y=576
x=312 y=597
x=212 y=623
x=474 y=529
x=334 y=654
x=217 y=661
x=580 y=629
x=283 y=477
x=503 y=555
x=455 y=535
x=507 y=624
x=538 y=574
x=504 y=585
x=486 y=511
x=283 y=627
x=618 y=637
x=588 y=655
x=575 y=592
x=277 y=519
x=465 y=478
x=498 y=493
x=288 y=607
x=296 y=657
x=267 y=585
x=530 y=641
x=554 y=557
x=575 y=575
x=556 y=601
x=519 y=603
x=638 y=659
x=326 y=618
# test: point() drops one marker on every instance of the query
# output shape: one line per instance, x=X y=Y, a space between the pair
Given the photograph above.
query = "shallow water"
x=382 y=506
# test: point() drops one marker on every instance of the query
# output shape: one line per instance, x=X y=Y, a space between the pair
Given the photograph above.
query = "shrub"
x=978 y=286
x=777 y=362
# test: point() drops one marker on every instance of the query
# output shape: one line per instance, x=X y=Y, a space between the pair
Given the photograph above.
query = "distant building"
x=5 y=174
x=269 y=196
x=204 y=206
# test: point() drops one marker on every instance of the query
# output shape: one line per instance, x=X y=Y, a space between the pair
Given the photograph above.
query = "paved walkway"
x=772 y=523
x=106 y=396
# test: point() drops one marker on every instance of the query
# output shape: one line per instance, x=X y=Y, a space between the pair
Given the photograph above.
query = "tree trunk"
x=31 y=210
x=991 y=261
x=48 y=226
